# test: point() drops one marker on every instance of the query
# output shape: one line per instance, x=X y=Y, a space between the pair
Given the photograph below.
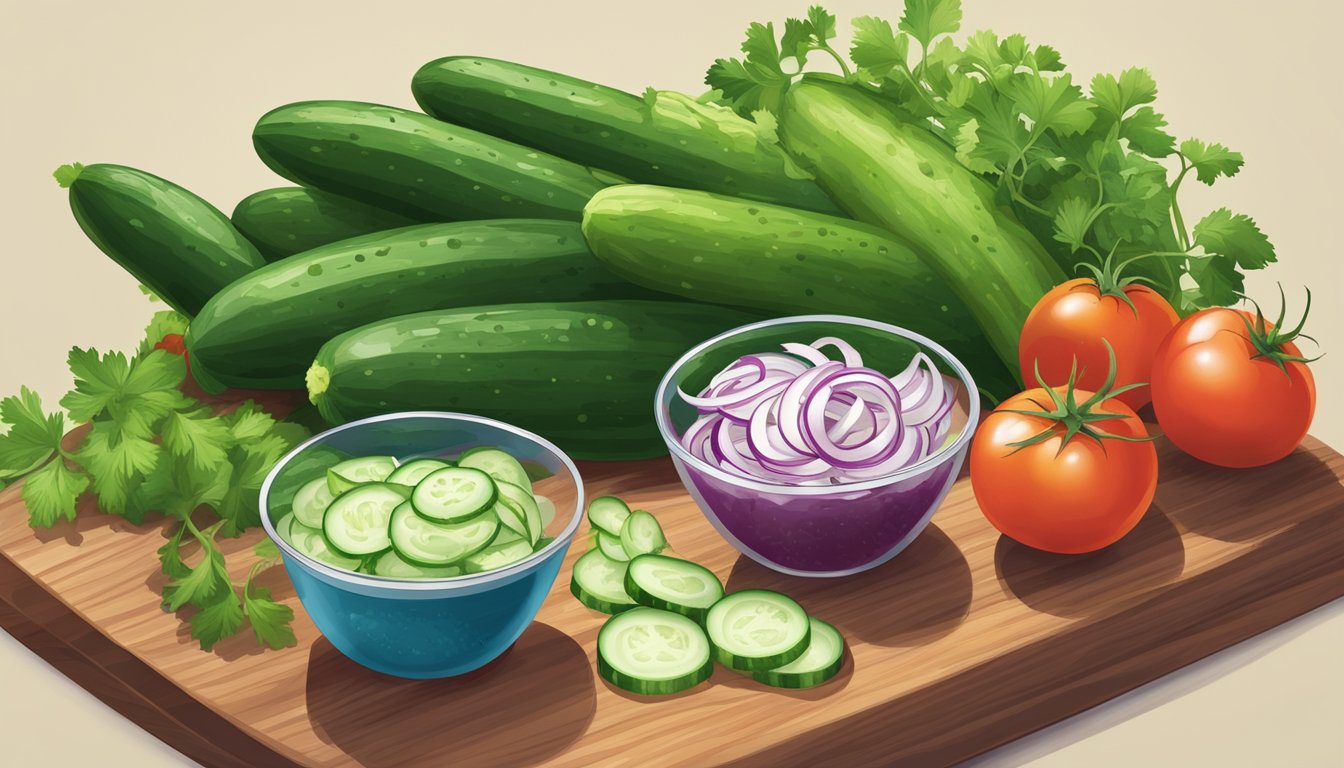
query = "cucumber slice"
x=608 y=513
x=412 y=472
x=820 y=662
x=497 y=464
x=611 y=547
x=282 y=528
x=311 y=501
x=512 y=517
x=355 y=524
x=427 y=543
x=310 y=543
x=653 y=652
x=506 y=534
x=546 y=507
x=599 y=583
x=642 y=535
x=497 y=556
x=542 y=542
x=522 y=499
x=394 y=566
x=453 y=494
x=672 y=584
x=352 y=472
x=756 y=629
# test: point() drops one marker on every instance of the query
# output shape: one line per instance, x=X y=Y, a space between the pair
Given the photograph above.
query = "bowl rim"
x=561 y=540
x=663 y=415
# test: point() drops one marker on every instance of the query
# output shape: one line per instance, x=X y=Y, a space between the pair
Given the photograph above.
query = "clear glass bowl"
x=433 y=627
x=828 y=530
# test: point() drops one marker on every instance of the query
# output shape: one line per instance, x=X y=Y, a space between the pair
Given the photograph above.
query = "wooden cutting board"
x=963 y=642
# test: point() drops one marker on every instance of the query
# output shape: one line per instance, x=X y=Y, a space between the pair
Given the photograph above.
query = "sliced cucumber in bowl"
x=356 y=523
x=453 y=494
x=352 y=472
x=311 y=502
x=427 y=543
x=497 y=464
x=415 y=470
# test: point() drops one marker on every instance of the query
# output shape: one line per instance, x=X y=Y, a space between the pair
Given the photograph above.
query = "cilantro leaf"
x=1143 y=131
x=177 y=488
x=249 y=422
x=1073 y=219
x=270 y=620
x=1117 y=96
x=797 y=39
x=50 y=493
x=251 y=461
x=1236 y=237
x=266 y=549
x=218 y=619
x=198 y=437
x=117 y=463
x=1046 y=59
x=170 y=555
x=33 y=436
x=135 y=393
x=927 y=19
x=98 y=380
x=748 y=87
x=201 y=582
x=1211 y=161
x=966 y=142
x=1220 y=284
x=823 y=23
x=1051 y=104
x=876 y=48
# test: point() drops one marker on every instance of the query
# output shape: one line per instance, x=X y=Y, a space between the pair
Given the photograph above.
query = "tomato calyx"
x=1110 y=279
x=1269 y=342
x=1077 y=418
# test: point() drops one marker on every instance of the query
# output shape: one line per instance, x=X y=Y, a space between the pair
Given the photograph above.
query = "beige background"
x=175 y=88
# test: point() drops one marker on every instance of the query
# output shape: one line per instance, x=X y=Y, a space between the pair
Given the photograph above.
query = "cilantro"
x=270 y=620
x=1236 y=237
x=50 y=493
x=198 y=437
x=1210 y=161
x=217 y=619
x=927 y=19
x=759 y=79
x=33 y=437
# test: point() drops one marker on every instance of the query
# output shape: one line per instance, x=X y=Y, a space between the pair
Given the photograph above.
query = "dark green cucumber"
x=288 y=220
x=582 y=374
x=890 y=172
x=263 y=331
x=784 y=261
x=663 y=138
x=418 y=166
x=178 y=245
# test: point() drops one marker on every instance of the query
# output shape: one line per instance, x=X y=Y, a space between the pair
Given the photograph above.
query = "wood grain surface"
x=963 y=642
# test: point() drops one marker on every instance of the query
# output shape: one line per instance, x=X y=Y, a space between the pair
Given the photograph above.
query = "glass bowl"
x=825 y=530
x=427 y=628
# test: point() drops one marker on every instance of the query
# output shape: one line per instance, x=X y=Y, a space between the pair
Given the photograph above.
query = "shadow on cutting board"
x=919 y=596
x=520 y=709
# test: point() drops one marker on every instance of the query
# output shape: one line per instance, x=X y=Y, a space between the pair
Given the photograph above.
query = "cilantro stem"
x=1177 y=219
x=844 y=68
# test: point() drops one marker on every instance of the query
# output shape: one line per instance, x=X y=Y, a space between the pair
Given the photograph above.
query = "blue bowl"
x=427 y=628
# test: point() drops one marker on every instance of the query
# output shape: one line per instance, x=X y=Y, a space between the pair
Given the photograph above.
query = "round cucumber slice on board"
x=611 y=547
x=352 y=472
x=356 y=522
x=453 y=494
x=821 y=661
x=432 y=544
x=599 y=583
x=310 y=543
x=608 y=513
x=642 y=535
x=497 y=556
x=653 y=652
x=672 y=584
x=311 y=501
x=412 y=472
x=394 y=566
x=756 y=629
x=497 y=464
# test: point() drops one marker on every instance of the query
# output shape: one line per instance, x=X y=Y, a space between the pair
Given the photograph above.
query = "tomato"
x=173 y=343
x=1072 y=499
x=1220 y=398
x=1070 y=321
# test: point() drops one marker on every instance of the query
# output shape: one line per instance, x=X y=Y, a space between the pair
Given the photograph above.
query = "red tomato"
x=173 y=343
x=1078 y=498
x=1071 y=320
x=1220 y=400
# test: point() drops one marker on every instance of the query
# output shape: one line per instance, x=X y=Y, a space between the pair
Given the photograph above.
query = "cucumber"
x=521 y=499
x=288 y=220
x=356 y=523
x=783 y=261
x=821 y=661
x=394 y=566
x=181 y=247
x=412 y=472
x=417 y=166
x=437 y=544
x=513 y=519
x=672 y=584
x=608 y=513
x=453 y=495
x=642 y=535
x=599 y=583
x=660 y=138
x=497 y=556
x=582 y=375
x=311 y=544
x=888 y=171
x=497 y=464
x=611 y=547
x=263 y=331
x=653 y=652
x=311 y=502
x=545 y=508
x=352 y=472
x=756 y=629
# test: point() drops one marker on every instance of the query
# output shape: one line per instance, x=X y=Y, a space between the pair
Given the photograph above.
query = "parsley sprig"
x=151 y=449
x=1092 y=174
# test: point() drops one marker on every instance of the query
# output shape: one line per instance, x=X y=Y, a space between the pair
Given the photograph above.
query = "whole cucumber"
x=887 y=171
x=287 y=220
x=263 y=330
x=582 y=374
x=662 y=138
x=417 y=166
x=176 y=244
x=784 y=261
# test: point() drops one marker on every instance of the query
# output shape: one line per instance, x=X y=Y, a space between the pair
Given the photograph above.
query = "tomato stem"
x=1269 y=342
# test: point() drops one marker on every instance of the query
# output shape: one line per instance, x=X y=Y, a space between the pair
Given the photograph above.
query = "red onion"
x=801 y=418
